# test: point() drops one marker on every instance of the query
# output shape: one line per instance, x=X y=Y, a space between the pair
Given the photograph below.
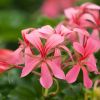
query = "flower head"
x=48 y=66
x=85 y=61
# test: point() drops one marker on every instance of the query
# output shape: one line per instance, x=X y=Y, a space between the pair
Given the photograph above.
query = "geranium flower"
x=93 y=17
x=80 y=16
x=85 y=61
x=89 y=6
x=77 y=18
x=92 y=13
x=48 y=67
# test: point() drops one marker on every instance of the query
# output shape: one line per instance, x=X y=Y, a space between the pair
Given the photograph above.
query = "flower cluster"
x=59 y=52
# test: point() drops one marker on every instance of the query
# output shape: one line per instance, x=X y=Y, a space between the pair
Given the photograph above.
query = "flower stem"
x=36 y=73
x=46 y=92
x=57 y=89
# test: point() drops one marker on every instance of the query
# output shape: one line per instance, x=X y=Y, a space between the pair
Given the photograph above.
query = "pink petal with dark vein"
x=86 y=79
x=78 y=47
x=34 y=40
x=73 y=73
x=46 y=78
x=30 y=62
x=57 y=71
x=53 y=41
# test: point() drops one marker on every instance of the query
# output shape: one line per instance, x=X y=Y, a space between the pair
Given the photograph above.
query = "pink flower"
x=9 y=59
x=81 y=16
x=85 y=61
x=43 y=48
x=89 y=6
x=4 y=66
x=52 y=8
x=96 y=36
x=4 y=54
x=47 y=31
x=94 y=18
x=48 y=66
x=77 y=18
x=16 y=57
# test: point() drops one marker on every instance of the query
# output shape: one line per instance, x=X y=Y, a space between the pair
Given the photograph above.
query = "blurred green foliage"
x=12 y=87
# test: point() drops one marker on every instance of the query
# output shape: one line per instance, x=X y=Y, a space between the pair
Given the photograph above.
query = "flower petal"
x=62 y=30
x=30 y=63
x=34 y=40
x=4 y=54
x=4 y=66
x=46 y=31
x=16 y=57
x=70 y=12
x=91 y=6
x=95 y=34
x=87 y=80
x=78 y=47
x=72 y=75
x=53 y=41
x=24 y=32
x=57 y=56
x=46 y=78
x=81 y=33
x=57 y=71
x=91 y=63
x=89 y=49
x=96 y=37
x=88 y=17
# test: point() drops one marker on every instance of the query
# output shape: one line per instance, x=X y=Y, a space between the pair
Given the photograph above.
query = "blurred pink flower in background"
x=52 y=8
x=10 y=59
x=85 y=16
x=4 y=53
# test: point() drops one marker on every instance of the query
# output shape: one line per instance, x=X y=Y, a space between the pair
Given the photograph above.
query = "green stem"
x=87 y=94
x=36 y=73
x=57 y=90
x=46 y=92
